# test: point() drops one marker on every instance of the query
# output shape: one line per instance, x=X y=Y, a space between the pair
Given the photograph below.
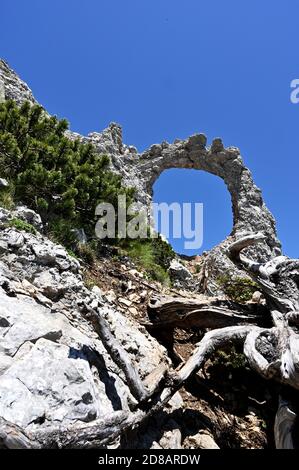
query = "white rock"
x=29 y=216
x=3 y=183
x=203 y=441
x=171 y=439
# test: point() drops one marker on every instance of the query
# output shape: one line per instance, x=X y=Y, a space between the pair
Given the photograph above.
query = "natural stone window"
x=194 y=186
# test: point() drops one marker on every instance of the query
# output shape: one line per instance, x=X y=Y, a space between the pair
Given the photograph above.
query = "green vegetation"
x=231 y=359
x=22 y=225
x=238 y=289
x=87 y=252
x=71 y=253
x=153 y=255
x=64 y=180
x=6 y=198
x=198 y=268
x=61 y=179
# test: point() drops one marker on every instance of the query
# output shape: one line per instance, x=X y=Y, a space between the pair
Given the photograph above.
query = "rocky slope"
x=55 y=372
x=72 y=336
x=53 y=366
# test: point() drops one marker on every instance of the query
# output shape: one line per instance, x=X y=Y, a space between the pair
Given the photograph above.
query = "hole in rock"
x=209 y=222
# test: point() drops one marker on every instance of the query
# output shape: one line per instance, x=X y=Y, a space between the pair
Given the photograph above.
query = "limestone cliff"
x=84 y=366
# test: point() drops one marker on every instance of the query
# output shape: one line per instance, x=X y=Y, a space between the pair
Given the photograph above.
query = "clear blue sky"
x=167 y=69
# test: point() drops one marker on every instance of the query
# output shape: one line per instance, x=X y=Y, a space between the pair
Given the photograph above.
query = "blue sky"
x=167 y=69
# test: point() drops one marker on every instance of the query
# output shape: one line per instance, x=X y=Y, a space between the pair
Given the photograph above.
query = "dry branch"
x=118 y=354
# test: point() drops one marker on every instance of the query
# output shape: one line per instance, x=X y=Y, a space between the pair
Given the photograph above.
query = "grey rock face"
x=54 y=370
x=53 y=367
x=56 y=387
x=250 y=213
x=2 y=92
x=12 y=87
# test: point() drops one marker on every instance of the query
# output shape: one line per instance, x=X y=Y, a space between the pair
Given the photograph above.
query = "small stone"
x=15 y=239
x=94 y=304
x=172 y=439
x=257 y=297
x=133 y=311
x=29 y=216
x=176 y=402
x=203 y=441
x=135 y=273
x=28 y=287
x=3 y=183
x=143 y=295
x=110 y=296
x=125 y=302
x=130 y=286
x=133 y=297
x=155 y=445
x=97 y=291
x=179 y=274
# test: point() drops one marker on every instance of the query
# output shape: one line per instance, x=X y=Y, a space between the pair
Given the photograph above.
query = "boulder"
x=171 y=439
x=29 y=216
x=179 y=274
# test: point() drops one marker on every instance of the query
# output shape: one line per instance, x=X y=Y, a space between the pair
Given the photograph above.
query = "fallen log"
x=202 y=312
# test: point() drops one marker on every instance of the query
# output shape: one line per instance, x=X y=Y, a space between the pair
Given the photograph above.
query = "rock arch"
x=249 y=210
x=250 y=213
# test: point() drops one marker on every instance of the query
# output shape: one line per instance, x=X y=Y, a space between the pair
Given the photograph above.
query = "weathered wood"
x=256 y=360
x=118 y=353
x=238 y=245
x=212 y=341
x=274 y=352
x=201 y=312
x=284 y=426
x=83 y=435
